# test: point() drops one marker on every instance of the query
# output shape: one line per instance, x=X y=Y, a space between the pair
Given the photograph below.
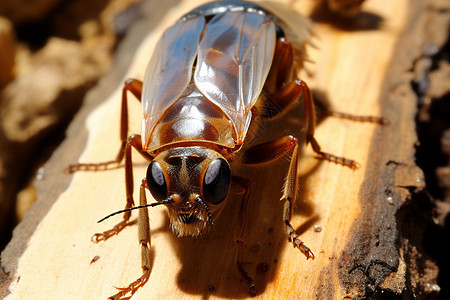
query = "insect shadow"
x=362 y=21
x=208 y=262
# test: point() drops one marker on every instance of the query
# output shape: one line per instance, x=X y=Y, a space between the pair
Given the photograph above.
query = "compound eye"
x=217 y=181
x=156 y=181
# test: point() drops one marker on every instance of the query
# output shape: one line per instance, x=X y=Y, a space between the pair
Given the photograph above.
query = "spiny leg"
x=145 y=245
x=278 y=86
x=271 y=151
x=135 y=87
x=282 y=69
x=289 y=196
x=298 y=89
x=284 y=90
x=311 y=125
x=135 y=142
x=239 y=243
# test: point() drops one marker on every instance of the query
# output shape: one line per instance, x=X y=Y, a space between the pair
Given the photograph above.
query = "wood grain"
x=352 y=66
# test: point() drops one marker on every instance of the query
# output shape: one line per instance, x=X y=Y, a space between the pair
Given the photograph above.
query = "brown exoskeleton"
x=200 y=96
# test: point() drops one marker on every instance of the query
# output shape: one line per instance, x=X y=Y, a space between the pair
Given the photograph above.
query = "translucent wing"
x=169 y=71
x=234 y=58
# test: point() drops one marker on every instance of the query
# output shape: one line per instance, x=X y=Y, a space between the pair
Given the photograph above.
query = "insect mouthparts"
x=188 y=218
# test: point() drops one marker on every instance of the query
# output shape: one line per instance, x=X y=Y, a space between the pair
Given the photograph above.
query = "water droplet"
x=390 y=200
x=40 y=174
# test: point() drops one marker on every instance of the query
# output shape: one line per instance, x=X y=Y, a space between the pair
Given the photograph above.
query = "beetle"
x=212 y=75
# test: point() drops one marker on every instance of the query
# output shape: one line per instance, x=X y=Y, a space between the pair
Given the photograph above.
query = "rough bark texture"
x=378 y=238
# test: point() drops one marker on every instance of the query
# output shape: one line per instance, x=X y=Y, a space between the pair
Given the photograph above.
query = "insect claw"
x=132 y=287
x=297 y=243
x=304 y=249
x=116 y=296
x=354 y=165
x=308 y=253
x=122 y=292
x=98 y=237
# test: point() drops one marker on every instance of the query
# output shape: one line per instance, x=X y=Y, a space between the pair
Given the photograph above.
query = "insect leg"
x=280 y=85
x=299 y=90
x=270 y=151
x=239 y=243
x=135 y=142
x=289 y=196
x=284 y=90
x=144 y=243
x=311 y=124
x=282 y=70
x=135 y=87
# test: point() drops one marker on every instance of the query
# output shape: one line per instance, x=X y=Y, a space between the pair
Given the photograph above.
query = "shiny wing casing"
x=169 y=70
x=234 y=56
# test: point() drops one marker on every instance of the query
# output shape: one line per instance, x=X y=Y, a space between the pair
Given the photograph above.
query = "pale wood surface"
x=351 y=67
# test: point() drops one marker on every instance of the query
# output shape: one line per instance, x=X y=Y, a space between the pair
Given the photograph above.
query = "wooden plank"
x=354 y=68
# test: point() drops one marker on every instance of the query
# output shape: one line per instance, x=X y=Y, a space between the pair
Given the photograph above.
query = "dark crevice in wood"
x=414 y=223
x=401 y=229
x=430 y=157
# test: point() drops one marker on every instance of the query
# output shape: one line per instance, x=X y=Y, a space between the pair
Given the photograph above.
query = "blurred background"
x=54 y=51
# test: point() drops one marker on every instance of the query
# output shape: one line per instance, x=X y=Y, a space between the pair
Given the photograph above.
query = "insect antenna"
x=166 y=201
x=200 y=201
